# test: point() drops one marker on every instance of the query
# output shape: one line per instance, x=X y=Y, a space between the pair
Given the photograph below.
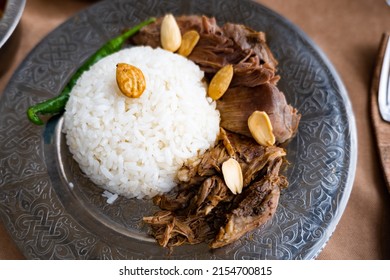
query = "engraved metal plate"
x=50 y=220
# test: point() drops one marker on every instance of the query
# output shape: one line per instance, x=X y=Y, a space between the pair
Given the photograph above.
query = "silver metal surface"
x=12 y=14
x=384 y=86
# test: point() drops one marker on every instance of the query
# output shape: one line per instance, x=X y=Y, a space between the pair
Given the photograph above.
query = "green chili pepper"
x=57 y=104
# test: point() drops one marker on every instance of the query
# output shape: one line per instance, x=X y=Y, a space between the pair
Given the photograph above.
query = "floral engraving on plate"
x=49 y=219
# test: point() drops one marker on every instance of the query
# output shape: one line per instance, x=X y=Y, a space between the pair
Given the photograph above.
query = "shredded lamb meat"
x=238 y=103
x=234 y=44
x=254 y=80
x=202 y=208
x=208 y=208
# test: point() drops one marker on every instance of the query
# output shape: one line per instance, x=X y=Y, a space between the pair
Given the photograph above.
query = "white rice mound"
x=134 y=146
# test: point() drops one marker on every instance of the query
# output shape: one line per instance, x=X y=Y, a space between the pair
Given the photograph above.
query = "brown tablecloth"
x=349 y=33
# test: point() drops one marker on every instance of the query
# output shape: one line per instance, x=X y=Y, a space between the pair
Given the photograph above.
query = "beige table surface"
x=348 y=32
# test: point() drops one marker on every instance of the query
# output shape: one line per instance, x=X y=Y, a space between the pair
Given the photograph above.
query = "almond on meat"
x=170 y=35
x=188 y=42
x=220 y=82
x=260 y=127
x=232 y=174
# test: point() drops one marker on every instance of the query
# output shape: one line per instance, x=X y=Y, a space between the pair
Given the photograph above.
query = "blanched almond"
x=188 y=42
x=170 y=35
x=130 y=80
x=220 y=82
x=260 y=127
x=232 y=174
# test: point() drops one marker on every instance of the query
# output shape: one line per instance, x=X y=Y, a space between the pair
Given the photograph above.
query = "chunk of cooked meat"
x=199 y=198
x=199 y=212
x=174 y=202
x=190 y=224
x=212 y=191
x=238 y=103
x=255 y=208
x=253 y=85
x=251 y=156
x=252 y=41
x=235 y=44
x=253 y=212
x=194 y=173
x=173 y=230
